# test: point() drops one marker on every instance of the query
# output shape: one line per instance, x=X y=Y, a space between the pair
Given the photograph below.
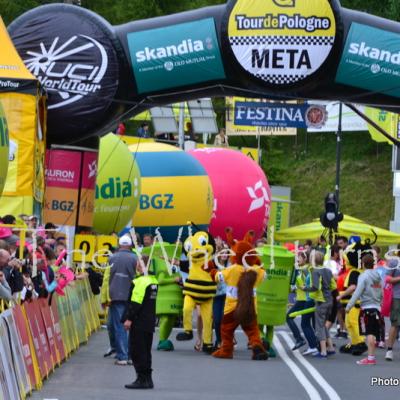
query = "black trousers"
x=140 y=343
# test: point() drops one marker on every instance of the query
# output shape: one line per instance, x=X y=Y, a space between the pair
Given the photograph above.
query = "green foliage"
x=366 y=178
x=121 y=11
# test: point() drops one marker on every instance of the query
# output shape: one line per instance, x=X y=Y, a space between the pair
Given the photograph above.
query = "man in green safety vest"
x=140 y=320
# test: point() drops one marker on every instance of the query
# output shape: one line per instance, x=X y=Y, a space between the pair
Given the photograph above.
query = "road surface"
x=185 y=374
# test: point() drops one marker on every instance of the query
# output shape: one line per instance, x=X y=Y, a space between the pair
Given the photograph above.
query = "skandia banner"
x=281 y=42
x=279 y=115
x=4 y=145
x=174 y=56
x=371 y=60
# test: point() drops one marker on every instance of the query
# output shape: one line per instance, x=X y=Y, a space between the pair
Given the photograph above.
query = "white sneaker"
x=121 y=362
x=309 y=351
x=389 y=355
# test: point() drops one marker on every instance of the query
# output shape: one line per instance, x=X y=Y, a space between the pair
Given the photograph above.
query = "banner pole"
x=181 y=127
x=338 y=154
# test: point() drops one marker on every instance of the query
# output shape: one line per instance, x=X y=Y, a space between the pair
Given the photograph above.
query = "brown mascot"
x=240 y=305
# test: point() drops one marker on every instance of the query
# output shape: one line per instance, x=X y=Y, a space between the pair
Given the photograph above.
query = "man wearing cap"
x=123 y=266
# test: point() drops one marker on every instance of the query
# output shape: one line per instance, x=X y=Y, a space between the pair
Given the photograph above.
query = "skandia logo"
x=277 y=272
x=114 y=188
x=186 y=46
x=63 y=70
x=362 y=50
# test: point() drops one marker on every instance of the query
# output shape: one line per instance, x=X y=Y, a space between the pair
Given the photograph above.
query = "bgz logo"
x=62 y=205
x=157 y=201
x=285 y=3
x=62 y=68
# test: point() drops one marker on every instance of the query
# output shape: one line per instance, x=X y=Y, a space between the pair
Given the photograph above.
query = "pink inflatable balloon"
x=242 y=196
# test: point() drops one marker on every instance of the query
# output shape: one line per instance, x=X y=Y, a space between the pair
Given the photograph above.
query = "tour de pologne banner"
x=177 y=55
x=252 y=113
x=70 y=187
x=371 y=60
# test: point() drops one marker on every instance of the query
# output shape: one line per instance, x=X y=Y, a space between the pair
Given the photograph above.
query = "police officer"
x=140 y=320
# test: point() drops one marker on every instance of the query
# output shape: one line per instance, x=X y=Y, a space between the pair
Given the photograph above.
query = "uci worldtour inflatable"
x=97 y=74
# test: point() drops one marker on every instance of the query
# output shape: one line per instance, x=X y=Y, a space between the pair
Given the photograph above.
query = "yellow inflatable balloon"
x=175 y=190
x=117 y=186
x=4 y=144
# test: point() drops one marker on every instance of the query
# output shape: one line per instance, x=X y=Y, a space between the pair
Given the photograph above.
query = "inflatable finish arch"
x=97 y=74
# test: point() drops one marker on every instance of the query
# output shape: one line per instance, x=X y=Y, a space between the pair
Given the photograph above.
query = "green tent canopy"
x=348 y=227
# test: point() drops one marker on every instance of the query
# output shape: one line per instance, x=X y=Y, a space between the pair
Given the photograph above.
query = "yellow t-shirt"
x=230 y=276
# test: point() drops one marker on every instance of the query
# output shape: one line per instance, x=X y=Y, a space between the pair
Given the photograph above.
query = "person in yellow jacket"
x=320 y=290
x=303 y=302
x=105 y=301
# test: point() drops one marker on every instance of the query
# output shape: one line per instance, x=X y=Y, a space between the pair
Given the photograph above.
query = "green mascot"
x=169 y=303
x=273 y=292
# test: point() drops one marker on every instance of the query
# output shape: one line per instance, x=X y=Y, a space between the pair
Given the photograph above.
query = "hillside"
x=366 y=177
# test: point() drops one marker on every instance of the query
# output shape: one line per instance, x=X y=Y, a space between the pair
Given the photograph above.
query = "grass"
x=310 y=170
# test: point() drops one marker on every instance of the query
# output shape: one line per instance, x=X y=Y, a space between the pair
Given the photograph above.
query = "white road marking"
x=308 y=386
x=329 y=390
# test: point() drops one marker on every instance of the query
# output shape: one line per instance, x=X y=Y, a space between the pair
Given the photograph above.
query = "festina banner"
x=279 y=115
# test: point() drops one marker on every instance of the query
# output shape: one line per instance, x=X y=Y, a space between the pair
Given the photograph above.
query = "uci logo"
x=63 y=70
x=285 y=3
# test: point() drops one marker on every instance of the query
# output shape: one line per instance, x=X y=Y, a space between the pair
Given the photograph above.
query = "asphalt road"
x=185 y=374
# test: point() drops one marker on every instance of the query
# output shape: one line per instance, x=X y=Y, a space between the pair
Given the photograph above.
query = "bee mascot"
x=199 y=287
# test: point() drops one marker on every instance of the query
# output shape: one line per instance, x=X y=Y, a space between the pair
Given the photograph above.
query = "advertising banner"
x=62 y=186
x=16 y=352
x=386 y=120
x=8 y=382
x=278 y=115
x=87 y=189
x=4 y=144
x=240 y=130
x=40 y=349
x=27 y=350
x=371 y=60
x=281 y=42
x=49 y=329
x=351 y=122
x=57 y=330
x=176 y=55
x=21 y=114
x=279 y=216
